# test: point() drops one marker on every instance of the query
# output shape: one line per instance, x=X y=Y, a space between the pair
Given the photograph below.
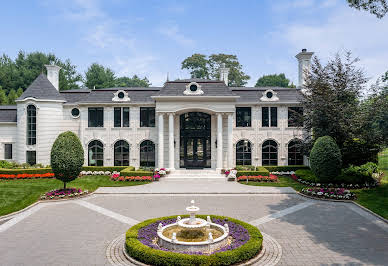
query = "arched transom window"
x=244 y=152
x=96 y=153
x=295 y=156
x=147 y=153
x=270 y=153
x=121 y=153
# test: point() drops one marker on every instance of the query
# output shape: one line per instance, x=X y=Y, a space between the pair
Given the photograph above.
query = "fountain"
x=193 y=234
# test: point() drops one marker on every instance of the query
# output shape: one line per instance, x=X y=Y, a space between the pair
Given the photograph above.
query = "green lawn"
x=18 y=194
x=376 y=199
x=284 y=181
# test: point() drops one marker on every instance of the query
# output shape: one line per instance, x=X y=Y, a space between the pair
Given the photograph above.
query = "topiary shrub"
x=67 y=157
x=325 y=159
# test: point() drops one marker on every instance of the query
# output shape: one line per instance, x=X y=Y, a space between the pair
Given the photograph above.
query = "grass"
x=284 y=181
x=376 y=199
x=18 y=194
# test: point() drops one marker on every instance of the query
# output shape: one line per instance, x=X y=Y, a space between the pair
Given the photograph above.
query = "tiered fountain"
x=193 y=234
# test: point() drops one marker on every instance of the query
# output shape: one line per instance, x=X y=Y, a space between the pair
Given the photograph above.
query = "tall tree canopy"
x=135 y=81
x=22 y=71
x=274 y=80
x=201 y=66
x=379 y=8
x=333 y=107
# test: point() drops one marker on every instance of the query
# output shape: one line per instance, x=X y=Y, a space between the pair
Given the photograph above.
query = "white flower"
x=320 y=193
x=107 y=173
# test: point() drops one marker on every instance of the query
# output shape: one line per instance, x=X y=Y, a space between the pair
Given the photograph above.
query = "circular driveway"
x=78 y=232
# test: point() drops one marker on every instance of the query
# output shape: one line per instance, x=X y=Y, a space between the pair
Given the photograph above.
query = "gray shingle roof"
x=8 y=113
x=253 y=94
x=136 y=95
x=41 y=88
x=209 y=87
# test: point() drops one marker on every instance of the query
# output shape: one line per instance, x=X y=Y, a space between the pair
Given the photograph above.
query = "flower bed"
x=259 y=178
x=333 y=185
x=329 y=193
x=95 y=173
x=63 y=193
x=26 y=176
x=246 y=244
x=117 y=177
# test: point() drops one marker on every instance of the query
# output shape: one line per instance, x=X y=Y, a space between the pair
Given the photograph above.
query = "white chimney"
x=53 y=75
x=224 y=74
x=304 y=60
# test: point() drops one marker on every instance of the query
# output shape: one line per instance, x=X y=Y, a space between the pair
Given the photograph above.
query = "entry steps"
x=194 y=173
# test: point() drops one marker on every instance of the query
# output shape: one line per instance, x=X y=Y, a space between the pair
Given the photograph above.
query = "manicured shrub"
x=5 y=164
x=306 y=175
x=285 y=168
x=32 y=171
x=358 y=174
x=67 y=157
x=129 y=172
x=325 y=159
x=245 y=167
x=151 y=256
x=260 y=171
x=107 y=168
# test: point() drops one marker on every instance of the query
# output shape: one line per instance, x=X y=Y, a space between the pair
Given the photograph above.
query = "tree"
x=325 y=159
x=198 y=66
x=275 y=80
x=3 y=97
x=19 y=92
x=376 y=7
x=202 y=67
x=135 y=81
x=12 y=96
x=67 y=157
x=97 y=76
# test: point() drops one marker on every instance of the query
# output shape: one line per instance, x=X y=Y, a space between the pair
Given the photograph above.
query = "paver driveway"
x=78 y=232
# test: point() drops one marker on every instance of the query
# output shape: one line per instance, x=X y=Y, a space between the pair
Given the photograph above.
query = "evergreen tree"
x=12 y=96
x=3 y=97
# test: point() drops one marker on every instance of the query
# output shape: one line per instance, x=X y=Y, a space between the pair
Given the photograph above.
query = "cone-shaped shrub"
x=325 y=159
x=67 y=157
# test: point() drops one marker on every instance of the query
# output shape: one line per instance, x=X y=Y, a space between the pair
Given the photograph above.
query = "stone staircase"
x=194 y=173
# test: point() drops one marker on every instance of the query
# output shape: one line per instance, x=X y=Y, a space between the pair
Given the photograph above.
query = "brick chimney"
x=53 y=75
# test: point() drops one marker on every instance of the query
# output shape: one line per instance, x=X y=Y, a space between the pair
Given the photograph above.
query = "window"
x=243 y=116
x=75 y=112
x=147 y=116
x=121 y=153
x=270 y=153
x=8 y=151
x=121 y=95
x=31 y=125
x=244 y=153
x=96 y=117
x=121 y=117
x=31 y=157
x=193 y=87
x=295 y=115
x=295 y=156
x=269 y=116
x=96 y=153
x=147 y=154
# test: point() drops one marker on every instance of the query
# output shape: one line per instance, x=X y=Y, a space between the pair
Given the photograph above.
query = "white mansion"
x=190 y=123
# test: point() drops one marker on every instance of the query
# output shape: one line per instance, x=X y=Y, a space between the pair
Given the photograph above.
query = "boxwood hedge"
x=30 y=171
x=130 y=172
x=286 y=168
x=259 y=171
x=107 y=168
x=151 y=256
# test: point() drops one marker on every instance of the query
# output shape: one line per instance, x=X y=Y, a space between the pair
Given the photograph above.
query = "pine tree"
x=12 y=96
x=3 y=97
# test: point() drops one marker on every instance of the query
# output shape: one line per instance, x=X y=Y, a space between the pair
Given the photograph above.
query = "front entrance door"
x=195 y=147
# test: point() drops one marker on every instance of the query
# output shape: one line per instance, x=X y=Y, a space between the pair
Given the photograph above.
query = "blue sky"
x=151 y=38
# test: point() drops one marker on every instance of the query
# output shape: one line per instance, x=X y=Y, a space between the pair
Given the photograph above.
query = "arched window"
x=31 y=125
x=96 y=153
x=295 y=156
x=270 y=153
x=147 y=153
x=121 y=153
x=244 y=153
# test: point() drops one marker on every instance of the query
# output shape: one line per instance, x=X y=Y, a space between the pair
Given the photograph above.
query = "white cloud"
x=172 y=31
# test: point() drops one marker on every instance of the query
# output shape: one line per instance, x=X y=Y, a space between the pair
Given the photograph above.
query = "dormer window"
x=120 y=96
x=193 y=88
x=269 y=96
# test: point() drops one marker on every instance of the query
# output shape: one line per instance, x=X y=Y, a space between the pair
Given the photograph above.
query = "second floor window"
x=295 y=116
x=31 y=125
x=243 y=116
x=96 y=117
x=147 y=116
x=121 y=117
x=269 y=117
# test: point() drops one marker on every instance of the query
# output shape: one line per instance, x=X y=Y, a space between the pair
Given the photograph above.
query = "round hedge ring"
x=246 y=243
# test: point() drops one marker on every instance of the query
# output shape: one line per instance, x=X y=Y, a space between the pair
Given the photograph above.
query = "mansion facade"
x=187 y=123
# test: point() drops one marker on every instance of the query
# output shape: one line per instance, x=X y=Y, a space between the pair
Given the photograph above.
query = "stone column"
x=230 y=140
x=171 y=140
x=160 y=140
x=219 y=142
